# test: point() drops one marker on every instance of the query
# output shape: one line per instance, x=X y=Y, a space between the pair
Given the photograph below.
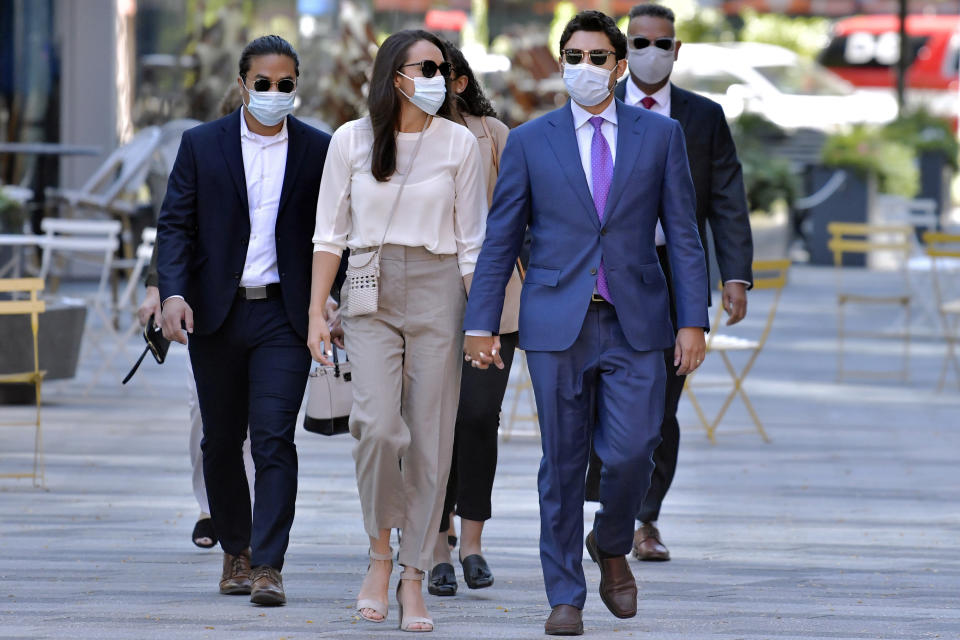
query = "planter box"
x=852 y=202
x=935 y=175
x=60 y=338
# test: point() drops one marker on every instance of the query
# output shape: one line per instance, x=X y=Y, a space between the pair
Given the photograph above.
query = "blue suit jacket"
x=204 y=223
x=542 y=184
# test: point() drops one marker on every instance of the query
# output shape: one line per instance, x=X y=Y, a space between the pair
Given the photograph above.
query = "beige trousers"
x=406 y=386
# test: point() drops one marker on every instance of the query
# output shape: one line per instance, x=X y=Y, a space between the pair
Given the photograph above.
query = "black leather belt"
x=261 y=292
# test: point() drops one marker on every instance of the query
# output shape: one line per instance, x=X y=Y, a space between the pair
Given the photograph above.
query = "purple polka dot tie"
x=601 y=165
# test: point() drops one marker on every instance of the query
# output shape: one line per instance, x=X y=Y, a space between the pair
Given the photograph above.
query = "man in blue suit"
x=234 y=262
x=590 y=180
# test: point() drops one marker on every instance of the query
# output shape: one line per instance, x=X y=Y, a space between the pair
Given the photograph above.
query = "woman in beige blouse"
x=405 y=355
x=481 y=391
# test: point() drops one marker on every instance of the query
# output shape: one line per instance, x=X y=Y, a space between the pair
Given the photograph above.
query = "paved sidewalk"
x=846 y=526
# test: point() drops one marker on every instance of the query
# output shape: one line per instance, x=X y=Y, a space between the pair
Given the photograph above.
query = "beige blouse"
x=510 y=320
x=443 y=207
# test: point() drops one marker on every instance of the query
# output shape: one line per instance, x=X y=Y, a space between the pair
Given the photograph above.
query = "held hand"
x=177 y=314
x=150 y=307
x=690 y=350
x=735 y=301
x=332 y=313
x=318 y=339
x=481 y=351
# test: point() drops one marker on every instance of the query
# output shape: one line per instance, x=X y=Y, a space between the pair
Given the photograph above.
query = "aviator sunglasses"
x=598 y=57
x=283 y=86
x=429 y=68
x=640 y=42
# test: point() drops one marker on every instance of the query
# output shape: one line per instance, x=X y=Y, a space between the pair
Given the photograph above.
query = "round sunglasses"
x=283 y=86
x=598 y=57
x=429 y=68
x=641 y=42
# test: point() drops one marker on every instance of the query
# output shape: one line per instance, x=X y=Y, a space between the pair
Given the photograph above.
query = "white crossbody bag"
x=363 y=270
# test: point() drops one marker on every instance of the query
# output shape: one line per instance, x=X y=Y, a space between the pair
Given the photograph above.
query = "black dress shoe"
x=476 y=573
x=564 y=620
x=443 y=580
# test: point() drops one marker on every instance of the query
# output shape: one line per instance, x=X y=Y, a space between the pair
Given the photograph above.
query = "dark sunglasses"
x=639 y=42
x=429 y=68
x=283 y=86
x=598 y=57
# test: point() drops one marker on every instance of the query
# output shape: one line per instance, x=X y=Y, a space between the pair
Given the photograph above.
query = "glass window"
x=706 y=81
x=804 y=79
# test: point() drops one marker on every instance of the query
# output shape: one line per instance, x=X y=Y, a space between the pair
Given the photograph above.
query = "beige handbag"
x=329 y=398
x=363 y=269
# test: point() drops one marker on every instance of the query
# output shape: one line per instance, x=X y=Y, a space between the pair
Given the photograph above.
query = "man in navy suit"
x=652 y=48
x=235 y=252
x=591 y=180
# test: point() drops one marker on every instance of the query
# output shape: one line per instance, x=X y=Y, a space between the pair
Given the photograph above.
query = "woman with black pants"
x=481 y=391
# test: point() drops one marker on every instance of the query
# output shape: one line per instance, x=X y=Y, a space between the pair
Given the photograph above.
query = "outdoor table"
x=44 y=150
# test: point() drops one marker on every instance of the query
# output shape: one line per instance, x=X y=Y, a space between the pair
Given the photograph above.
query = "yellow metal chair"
x=888 y=245
x=520 y=385
x=944 y=247
x=32 y=307
x=767 y=274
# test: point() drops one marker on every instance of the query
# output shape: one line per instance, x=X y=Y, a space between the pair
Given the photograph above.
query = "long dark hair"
x=383 y=102
x=471 y=100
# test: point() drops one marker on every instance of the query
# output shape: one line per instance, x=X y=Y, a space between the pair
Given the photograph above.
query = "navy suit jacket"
x=542 y=185
x=204 y=223
x=717 y=180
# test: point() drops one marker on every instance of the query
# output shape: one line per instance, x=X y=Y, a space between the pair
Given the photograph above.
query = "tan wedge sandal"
x=412 y=575
x=375 y=605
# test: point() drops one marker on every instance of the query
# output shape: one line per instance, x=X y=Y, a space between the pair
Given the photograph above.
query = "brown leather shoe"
x=235 y=580
x=618 y=589
x=266 y=586
x=564 y=620
x=648 y=546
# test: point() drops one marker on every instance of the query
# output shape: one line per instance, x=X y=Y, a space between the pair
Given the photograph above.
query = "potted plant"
x=937 y=152
x=770 y=182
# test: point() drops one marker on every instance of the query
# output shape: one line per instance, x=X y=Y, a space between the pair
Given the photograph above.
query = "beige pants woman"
x=406 y=385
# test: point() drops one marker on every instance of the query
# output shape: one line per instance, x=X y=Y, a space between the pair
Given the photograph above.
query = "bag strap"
x=136 y=366
x=495 y=150
x=396 y=201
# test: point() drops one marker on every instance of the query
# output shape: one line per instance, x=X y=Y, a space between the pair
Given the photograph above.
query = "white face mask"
x=428 y=93
x=587 y=84
x=269 y=108
x=651 y=64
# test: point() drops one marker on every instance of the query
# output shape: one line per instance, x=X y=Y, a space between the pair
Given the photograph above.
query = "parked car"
x=778 y=84
x=865 y=49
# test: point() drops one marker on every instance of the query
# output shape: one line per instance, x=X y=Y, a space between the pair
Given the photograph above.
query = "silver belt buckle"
x=255 y=293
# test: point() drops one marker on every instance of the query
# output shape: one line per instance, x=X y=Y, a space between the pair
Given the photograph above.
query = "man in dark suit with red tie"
x=721 y=201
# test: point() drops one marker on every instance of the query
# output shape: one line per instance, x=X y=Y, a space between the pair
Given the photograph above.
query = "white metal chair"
x=122 y=172
x=91 y=241
x=125 y=307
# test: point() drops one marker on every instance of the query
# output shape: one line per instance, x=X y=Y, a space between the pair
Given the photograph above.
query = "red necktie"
x=648 y=102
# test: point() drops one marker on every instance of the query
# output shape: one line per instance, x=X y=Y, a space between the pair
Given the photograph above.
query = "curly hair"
x=471 y=100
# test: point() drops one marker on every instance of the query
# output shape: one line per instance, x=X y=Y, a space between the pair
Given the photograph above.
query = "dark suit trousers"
x=665 y=457
x=252 y=370
x=475 y=439
x=600 y=389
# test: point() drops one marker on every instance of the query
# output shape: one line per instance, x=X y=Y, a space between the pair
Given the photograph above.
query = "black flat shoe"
x=443 y=580
x=204 y=535
x=452 y=542
x=476 y=573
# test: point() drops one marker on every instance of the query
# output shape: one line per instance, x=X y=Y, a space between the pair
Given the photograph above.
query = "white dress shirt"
x=661 y=105
x=443 y=206
x=264 y=164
